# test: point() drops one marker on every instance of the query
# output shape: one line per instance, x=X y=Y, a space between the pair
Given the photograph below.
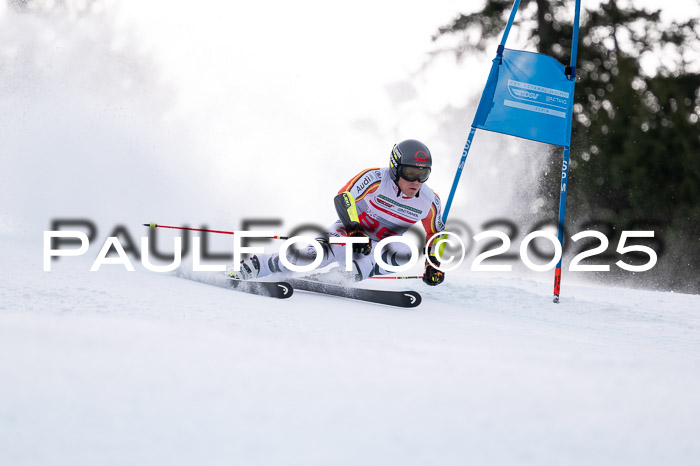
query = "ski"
x=389 y=298
x=279 y=290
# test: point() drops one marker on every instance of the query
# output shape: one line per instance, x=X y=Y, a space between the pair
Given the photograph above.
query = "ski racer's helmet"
x=410 y=160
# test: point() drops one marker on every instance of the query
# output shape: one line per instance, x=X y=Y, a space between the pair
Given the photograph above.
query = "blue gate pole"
x=562 y=215
x=565 y=163
x=462 y=161
x=465 y=152
x=511 y=18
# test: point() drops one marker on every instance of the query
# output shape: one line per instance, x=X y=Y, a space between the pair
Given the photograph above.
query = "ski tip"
x=285 y=290
x=280 y=290
x=414 y=298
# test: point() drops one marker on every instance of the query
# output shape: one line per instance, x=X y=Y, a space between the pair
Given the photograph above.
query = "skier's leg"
x=262 y=265
x=395 y=254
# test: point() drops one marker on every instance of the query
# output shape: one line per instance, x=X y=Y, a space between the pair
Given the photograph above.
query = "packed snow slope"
x=142 y=368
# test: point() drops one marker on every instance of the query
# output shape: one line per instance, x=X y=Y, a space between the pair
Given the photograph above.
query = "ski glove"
x=356 y=231
x=431 y=275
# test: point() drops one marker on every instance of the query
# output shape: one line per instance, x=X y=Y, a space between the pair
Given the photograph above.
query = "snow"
x=119 y=118
x=117 y=367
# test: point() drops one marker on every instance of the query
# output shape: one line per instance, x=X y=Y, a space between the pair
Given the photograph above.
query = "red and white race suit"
x=382 y=212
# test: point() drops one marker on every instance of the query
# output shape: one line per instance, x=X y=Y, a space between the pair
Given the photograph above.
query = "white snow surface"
x=120 y=118
x=141 y=368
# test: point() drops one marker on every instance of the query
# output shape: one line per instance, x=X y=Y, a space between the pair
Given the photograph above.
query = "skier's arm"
x=347 y=213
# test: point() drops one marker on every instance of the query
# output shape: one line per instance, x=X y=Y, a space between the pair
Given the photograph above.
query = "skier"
x=375 y=204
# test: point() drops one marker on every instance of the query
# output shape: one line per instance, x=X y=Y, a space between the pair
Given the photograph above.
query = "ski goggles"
x=410 y=173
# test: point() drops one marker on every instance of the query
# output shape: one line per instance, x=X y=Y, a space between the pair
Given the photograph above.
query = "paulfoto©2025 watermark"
x=447 y=261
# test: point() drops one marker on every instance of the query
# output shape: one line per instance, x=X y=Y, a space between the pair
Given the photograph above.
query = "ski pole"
x=153 y=225
x=412 y=277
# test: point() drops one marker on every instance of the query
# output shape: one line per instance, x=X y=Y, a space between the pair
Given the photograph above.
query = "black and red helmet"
x=411 y=160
